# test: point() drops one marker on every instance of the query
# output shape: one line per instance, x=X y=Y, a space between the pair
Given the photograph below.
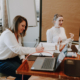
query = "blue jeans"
x=9 y=67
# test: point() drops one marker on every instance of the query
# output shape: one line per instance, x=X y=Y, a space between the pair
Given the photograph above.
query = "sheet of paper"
x=45 y=53
x=47 y=46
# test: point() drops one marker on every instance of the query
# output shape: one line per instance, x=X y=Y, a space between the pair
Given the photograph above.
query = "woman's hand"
x=59 y=40
x=71 y=35
x=39 y=49
x=60 y=47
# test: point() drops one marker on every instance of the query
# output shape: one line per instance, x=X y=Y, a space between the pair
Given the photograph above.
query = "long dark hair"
x=16 y=21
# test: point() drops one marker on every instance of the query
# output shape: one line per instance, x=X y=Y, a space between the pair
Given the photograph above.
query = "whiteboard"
x=25 y=8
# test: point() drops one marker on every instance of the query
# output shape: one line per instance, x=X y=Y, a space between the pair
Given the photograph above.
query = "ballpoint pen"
x=41 y=53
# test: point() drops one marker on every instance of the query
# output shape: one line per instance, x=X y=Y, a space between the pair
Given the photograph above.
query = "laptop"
x=49 y=63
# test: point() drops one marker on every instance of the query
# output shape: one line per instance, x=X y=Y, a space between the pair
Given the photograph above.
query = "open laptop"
x=49 y=63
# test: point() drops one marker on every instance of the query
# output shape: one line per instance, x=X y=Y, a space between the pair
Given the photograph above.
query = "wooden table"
x=61 y=73
x=25 y=69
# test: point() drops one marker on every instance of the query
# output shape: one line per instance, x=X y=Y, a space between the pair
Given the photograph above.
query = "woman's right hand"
x=39 y=49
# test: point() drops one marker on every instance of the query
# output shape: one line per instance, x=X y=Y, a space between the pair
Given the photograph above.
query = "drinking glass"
x=69 y=45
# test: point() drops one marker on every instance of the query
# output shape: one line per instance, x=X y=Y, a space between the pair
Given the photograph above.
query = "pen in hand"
x=41 y=53
x=41 y=45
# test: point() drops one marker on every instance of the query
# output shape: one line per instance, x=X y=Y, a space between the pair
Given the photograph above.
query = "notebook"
x=49 y=63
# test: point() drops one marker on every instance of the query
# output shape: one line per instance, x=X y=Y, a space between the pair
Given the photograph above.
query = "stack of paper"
x=49 y=49
x=47 y=46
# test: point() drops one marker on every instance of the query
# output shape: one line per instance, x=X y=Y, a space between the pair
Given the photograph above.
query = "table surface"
x=25 y=69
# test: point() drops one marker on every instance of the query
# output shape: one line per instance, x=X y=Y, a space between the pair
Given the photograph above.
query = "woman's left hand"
x=71 y=35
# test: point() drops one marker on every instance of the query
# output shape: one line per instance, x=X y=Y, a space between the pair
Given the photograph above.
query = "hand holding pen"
x=40 y=49
x=40 y=52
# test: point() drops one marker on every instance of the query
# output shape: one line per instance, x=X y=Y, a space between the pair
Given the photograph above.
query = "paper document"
x=47 y=46
x=47 y=53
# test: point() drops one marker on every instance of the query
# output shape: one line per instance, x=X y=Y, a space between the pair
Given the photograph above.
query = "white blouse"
x=54 y=33
x=9 y=47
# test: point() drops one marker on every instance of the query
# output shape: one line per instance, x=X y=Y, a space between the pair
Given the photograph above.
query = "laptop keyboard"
x=47 y=64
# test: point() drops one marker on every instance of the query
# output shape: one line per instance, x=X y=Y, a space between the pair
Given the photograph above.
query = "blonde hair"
x=16 y=21
x=56 y=16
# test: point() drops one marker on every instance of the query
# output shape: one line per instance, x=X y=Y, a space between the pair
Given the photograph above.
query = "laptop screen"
x=61 y=56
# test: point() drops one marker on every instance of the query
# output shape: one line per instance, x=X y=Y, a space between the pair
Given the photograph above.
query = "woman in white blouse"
x=57 y=31
x=10 y=47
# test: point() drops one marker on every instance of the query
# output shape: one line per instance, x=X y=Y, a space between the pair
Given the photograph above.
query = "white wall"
x=31 y=35
x=33 y=32
x=0 y=10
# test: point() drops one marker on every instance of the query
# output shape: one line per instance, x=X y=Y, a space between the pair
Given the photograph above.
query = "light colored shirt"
x=53 y=34
x=9 y=47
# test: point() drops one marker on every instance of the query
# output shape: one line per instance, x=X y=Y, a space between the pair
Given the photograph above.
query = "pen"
x=41 y=46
